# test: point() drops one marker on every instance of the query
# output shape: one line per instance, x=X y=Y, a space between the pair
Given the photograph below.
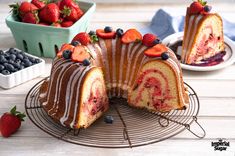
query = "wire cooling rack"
x=131 y=127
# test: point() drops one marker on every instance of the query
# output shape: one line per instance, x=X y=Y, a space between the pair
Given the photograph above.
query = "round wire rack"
x=131 y=127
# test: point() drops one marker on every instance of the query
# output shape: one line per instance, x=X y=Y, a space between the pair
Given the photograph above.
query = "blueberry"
x=9 y=67
x=108 y=29
x=12 y=51
x=156 y=41
x=11 y=61
x=75 y=43
x=18 y=61
x=1 y=52
x=92 y=33
x=6 y=72
x=86 y=62
x=2 y=67
x=165 y=55
x=31 y=59
x=37 y=61
x=67 y=54
x=12 y=57
x=207 y=8
x=16 y=65
x=108 y=119
x=3 y=60
x=2 y=57
x=7 y=56
x=119 y=32
x=20 y=56
x=27 y=63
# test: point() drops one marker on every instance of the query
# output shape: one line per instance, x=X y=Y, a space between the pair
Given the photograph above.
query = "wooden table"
x=216 y=91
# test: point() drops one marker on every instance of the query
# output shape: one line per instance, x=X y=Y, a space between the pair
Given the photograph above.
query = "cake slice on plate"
x=203 y=35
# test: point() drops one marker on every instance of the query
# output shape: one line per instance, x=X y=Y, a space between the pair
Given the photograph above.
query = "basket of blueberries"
x=17 y=67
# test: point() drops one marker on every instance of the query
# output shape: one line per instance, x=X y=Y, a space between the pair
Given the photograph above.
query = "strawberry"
x=65 y=47
x=66 y=23
x=195 y=8
x=155 y=51
x=43 y=24
x=50 y=13
x=30 y=18
x=69 y=4
x=79 y=54
x=131 y=35
x=23 y=8
x=10 y=122
x=39 y=3
x=101 y=33
x=57 y=25
x=72 y=14
x=83 y=38
x=148 y=40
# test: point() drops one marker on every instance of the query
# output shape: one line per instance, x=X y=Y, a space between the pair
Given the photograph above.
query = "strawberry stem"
x=20 y=115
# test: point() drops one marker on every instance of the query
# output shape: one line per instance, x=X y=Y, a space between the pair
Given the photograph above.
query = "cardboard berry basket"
x=45 y=40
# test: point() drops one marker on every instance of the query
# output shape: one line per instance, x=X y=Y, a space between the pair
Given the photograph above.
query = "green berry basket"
x=44 y=41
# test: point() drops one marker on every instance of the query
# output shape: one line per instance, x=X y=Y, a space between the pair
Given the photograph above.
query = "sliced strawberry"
x=80 y=54
x=104 y=35
x=83 y=38
x=148 y=40
x=131 y=35
x=196 y=8
x=155 y=51
x=64 y=47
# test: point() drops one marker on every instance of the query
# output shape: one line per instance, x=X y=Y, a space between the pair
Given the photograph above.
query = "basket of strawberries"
x=40 y=27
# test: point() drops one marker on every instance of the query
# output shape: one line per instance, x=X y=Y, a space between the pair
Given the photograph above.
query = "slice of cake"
x=203 y=35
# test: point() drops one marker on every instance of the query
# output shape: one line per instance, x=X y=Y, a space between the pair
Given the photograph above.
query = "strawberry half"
x=83 y=38
x=101 y=33
x=156 y=50
x=80 y=54
x=131 y=35
x=148 y=40
x=196 y=8
x=10 y=122
x=65 y=47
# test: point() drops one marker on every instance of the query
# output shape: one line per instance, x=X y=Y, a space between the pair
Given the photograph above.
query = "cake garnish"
x=150 y=40
x=86 y=62
x=108 y=29
x=165 y=55
x=64 y=47
x=67 y=54
x=83 y=38
x=79 y=54
x=119 y=32
x=106 y=33
x=155 y=51
x=131 y=35
x=75 y=43
x=199 y=7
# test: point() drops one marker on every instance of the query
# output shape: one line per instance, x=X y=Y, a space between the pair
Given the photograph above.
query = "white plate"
x=229 y=58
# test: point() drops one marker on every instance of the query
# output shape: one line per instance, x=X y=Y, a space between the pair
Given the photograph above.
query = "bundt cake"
x=203 y=35
x=105 y=64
